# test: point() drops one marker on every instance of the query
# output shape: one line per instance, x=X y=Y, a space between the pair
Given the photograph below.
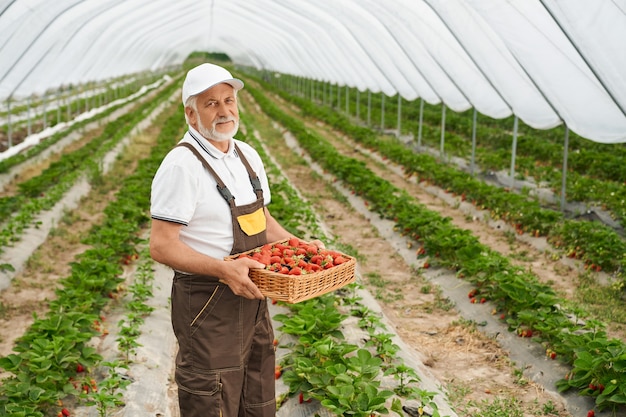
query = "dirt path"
x=31 y=290
x=421 y=317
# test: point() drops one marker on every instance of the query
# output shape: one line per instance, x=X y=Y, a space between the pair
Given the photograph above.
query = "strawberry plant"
x=43 y=369
x=315 y=325
x=511 y=290
x=109 y=392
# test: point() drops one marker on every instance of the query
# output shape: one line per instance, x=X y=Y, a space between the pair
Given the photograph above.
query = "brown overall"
x=225 y=362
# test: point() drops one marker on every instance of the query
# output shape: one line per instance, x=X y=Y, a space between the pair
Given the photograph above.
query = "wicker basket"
x=296 y=288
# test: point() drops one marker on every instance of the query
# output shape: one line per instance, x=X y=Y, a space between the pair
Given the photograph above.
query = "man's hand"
x=236 y=277
x=318 y=243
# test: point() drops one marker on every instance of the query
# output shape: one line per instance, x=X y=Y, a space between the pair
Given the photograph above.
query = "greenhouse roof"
x=545 y=61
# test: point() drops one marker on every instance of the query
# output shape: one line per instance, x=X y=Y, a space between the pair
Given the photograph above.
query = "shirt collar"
x=209 y=148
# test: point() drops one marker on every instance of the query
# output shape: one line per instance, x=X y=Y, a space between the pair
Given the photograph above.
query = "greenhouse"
x=447 y=191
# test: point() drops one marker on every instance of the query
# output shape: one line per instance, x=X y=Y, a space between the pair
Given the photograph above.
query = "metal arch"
x=584 y=58
x=328 y=17
x=135 y=40
x=355 y=40
x=417 y=68
x=34 y=67
x=282 y=32
x=42 y=30
x=470 y=56
x=6 y=7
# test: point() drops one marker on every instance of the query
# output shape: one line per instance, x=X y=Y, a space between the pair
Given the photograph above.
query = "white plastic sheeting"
x=546 y=61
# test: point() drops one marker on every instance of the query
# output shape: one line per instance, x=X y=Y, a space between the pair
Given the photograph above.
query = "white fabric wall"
x=546 y=61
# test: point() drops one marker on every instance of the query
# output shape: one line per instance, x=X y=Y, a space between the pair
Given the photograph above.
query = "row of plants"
x=67 y=103
x=598 y=246
x=77 y=125
x=43 y=191
x=595 y=171
x=346 y=378
x=516 y=294
x=45 y=368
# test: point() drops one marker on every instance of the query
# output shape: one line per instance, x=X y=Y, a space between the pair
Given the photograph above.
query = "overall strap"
x=221 y=187
x=254 y=178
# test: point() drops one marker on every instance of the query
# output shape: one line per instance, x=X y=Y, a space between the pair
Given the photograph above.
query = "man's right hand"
x=236 y=277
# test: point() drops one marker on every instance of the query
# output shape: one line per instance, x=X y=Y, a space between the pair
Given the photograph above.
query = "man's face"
x=215 y=115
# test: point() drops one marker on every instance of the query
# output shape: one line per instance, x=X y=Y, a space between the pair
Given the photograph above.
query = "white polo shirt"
x=184 y=192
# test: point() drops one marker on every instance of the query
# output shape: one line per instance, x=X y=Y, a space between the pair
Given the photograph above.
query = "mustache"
x=224 y=120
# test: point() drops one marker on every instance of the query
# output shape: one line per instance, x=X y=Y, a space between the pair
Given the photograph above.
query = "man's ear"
x=191 y=115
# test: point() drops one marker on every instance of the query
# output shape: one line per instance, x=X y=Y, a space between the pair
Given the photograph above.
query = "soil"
x=472 y=367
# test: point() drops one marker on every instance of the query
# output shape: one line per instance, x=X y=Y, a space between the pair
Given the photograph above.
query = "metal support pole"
x=45 y=111
x=369 y=108
x=338 y=96
x=347 y=101
x=443 y=128
x=399 y=115
x=9 y=127
x=419 y=128
x=564 y=175
x=69 y=103
x=473 y=163
x=382 y=112
x=28 y=120
x=59 y=105
x=514 y=152
x=358 y=104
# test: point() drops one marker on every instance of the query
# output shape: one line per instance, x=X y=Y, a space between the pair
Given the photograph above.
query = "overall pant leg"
x=225 y=362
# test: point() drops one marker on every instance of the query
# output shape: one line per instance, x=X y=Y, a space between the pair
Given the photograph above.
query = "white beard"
x=216 y=136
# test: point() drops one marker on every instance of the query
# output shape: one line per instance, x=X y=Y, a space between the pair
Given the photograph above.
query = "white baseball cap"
x=205 y=76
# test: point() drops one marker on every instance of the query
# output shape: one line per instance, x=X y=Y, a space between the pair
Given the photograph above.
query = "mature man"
x=208 y=201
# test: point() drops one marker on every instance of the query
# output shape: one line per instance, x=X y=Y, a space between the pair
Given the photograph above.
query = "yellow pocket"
x=253 y=223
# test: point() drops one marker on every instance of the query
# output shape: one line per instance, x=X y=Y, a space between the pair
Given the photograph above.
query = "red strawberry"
x=591 y=413
x=317 y=259
x=65 y=412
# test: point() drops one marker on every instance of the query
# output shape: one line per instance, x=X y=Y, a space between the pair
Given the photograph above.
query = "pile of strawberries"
x=295 y=257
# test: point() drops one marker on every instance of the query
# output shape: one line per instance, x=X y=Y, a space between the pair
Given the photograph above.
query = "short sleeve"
x=174 y=194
